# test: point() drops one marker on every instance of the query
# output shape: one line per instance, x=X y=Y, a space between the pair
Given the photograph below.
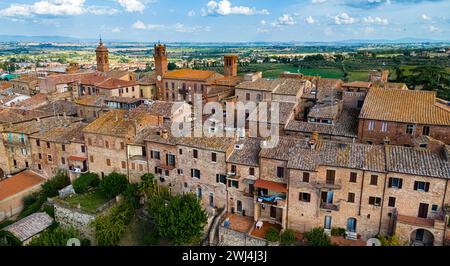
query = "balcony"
x=278 y=200
x=165 y=166
x=321 y=185
x=78 y=169
x=141 y=158
x=329 y=206
x=417 y=221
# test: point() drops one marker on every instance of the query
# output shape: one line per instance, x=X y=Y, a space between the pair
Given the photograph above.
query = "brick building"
x=60 y=147
x=399 y=116
x=16 y=139
x=107 y=138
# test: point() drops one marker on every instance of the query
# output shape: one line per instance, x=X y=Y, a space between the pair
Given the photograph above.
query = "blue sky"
x=228 y=20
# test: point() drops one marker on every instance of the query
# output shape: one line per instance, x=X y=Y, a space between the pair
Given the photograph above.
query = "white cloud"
x=310 y=20
x=116 y=30
x=225 y=8
x=376 y=20
x=318 y=1
x=260 y=30
x=139 y=25
x=191 y=13
x=46 y=7
x=154 y=26
x=425 y=17
x=432 y=28
x=344 y=18
x=286 y=19
x=178 y=27
x=98 y=10
x=263 y=22
x=132 y=5
x=55 y=8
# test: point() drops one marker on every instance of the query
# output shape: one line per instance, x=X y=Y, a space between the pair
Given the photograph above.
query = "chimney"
x=230 y=65
x=314 y=139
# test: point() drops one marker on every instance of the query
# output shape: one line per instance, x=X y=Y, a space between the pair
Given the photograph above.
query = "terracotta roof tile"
x=416 y=162
x=18 y=183
x=406 y=106
x=248 y=154
x=30 y=226
x=346 y=125
x=358 y=84
x=188 y=74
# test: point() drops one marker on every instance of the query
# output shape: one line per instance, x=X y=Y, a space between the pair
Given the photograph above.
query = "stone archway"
x=421 y=237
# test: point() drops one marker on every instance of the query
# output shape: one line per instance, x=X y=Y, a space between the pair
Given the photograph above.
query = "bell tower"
x=230 y=65
x=102 y=55
x=161 y=65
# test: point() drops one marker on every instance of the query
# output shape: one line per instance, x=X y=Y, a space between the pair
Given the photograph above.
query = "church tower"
x=161 y=65
x=102 y=57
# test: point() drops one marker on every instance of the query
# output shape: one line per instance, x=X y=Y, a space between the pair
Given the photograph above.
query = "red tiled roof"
x=406 y=106
x=18 y=183
x=270 y=185
x=189 y=74
x=113 y=83
x=358 y=84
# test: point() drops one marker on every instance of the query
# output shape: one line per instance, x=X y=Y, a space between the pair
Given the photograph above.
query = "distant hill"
x=23 y=38
x=66 y=39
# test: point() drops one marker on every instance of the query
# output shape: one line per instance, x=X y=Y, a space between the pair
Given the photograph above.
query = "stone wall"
x=68 y=217
x=229 y=237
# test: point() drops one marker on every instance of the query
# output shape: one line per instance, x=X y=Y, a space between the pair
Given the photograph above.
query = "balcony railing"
x=275 y=200
x=322 y=185
x=138 y=158
x=329 y=206
x=166 y=166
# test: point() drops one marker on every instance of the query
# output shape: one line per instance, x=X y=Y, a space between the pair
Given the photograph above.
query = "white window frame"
x=384 y=126
x=371 y=125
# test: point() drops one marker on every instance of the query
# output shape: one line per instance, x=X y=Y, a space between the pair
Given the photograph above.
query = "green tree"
x=113 y=184
x=391 y=241
x=272 y=235
x=86 y=181
x=148 y=184
x=287 y=238
x=110 y=227
x=132 y=195
x=317 y=237
x=171 y=66
x=7 y=239
x=59 y=181
x=56 y=236
x=179 y=218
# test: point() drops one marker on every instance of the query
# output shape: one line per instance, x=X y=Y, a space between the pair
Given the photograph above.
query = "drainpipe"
x=382 y=202
x=128 y=161
x=361 y=194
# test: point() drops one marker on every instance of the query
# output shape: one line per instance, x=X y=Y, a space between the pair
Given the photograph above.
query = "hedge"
x=85 y=181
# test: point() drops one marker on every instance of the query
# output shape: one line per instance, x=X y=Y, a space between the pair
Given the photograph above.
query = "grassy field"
x=89 y=202
x=358 y=76
x=274 y=70
x=323 y=72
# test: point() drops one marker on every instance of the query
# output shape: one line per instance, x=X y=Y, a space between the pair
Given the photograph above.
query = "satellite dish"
x=373 y=242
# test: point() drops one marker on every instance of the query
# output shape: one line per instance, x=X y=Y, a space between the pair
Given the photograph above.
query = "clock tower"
x=102 y=55
x=161 y=64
